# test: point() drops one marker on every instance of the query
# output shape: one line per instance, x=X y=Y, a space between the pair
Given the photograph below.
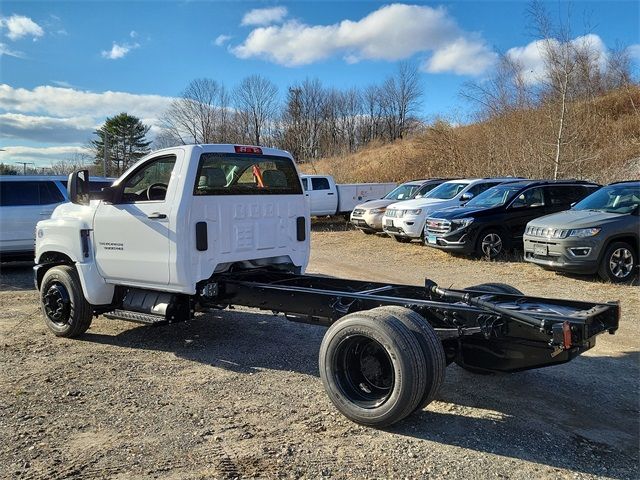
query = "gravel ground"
x=237 y=394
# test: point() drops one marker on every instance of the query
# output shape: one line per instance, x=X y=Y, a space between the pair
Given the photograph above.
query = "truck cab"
x=178 y=216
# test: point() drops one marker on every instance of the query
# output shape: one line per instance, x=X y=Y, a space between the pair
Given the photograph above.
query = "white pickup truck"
x=326 y=197
x=204 y=227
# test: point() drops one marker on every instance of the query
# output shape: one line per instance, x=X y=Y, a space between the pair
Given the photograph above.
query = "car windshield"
x=447 y=190
x=494 y=197
x=621 y=198
x=402 y=192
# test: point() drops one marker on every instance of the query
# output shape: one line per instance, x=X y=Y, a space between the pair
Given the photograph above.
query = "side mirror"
x=78 y=187
x=107 y=194
x=465 y=197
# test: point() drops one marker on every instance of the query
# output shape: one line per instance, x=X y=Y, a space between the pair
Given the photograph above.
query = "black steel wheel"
x=372 y=368
x=491 y=244
x=66 y=311
x=619 y=263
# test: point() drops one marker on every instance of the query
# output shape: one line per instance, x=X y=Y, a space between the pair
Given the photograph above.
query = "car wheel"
x=400 y=239
x=491 y=244
x=66 y=312
x=619 y=263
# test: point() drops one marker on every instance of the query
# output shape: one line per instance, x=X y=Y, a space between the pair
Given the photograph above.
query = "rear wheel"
x=491 y=244
x=372 y=368
x=66 y=312
x=619 y=263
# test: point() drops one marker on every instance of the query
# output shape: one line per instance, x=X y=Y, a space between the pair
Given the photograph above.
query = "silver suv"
x=598 y=235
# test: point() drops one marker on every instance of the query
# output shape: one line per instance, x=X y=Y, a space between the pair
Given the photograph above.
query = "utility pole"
x=24 y=166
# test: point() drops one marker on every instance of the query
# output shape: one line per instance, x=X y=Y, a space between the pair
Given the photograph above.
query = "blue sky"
x=66 y=65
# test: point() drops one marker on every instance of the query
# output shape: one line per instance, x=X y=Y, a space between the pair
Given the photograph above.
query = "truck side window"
x=305 y=184
x=150 y=182
x=320 y=183
x=50 y=194
x=19 y=194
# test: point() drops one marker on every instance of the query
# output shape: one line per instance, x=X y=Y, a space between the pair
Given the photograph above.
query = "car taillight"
x=248 y=149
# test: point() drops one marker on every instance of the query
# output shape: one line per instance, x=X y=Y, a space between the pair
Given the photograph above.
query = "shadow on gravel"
x=16 y=276
x=241 y=342
x=582 y=416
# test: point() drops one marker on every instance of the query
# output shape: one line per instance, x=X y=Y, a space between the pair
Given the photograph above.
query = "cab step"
x=137 y=317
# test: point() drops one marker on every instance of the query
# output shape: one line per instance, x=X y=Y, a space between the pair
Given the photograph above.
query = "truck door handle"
x=156 y=215
x=330 y=193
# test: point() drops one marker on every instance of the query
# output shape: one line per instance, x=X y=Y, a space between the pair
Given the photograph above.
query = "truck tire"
x=496 y=288
x=435 y=359
x=66 y=312
x=619 y=263
x=491 y=244
x=372 y=368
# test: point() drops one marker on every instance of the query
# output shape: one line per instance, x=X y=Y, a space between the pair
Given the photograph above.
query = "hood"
x=461 y=212
x=382 y=203
x=575 y=219
x=417 y=203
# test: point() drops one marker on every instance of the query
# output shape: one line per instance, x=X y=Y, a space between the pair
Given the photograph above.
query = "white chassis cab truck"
x=203 y=227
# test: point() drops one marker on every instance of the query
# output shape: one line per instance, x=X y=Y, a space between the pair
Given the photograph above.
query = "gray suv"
x=598 y=235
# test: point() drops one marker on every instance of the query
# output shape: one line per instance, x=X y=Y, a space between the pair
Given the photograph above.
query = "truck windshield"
x=494 y=197
x=237 y=174
x=402 y=192
x=621 y=198
x=447 y=190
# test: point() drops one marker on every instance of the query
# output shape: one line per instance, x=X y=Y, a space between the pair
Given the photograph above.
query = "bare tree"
x=256 y=101
x=200 y=115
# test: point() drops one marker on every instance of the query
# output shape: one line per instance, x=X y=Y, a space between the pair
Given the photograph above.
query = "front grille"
x=438 y=226
x=546 y=232
x=358 y=212
x=391 y=213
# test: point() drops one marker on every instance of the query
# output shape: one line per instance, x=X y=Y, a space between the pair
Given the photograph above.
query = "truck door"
x=133 y=235
x=324 y=199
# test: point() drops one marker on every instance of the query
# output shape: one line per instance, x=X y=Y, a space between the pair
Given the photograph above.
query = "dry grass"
x=603 y=144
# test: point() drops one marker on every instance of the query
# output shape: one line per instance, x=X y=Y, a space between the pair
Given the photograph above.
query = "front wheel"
x=491 y=244
x=66 y=312
x=619 y=263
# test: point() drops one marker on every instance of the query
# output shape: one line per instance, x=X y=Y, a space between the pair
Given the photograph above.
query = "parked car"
x=494 y=221
x=326 y=197
x=598 y=235
x=24 y=201
x=404 y=221
x=367 y=217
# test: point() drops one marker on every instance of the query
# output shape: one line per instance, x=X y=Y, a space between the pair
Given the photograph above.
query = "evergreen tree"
x=126 y=142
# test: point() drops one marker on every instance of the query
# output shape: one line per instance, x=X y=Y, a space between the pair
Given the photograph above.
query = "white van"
x=24 y=201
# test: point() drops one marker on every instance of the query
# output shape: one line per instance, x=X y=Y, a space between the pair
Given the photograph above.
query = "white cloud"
x=264 y=16
x=531 y=57
x=392 y=32
x=47 y=129
x=221 y=40
x=8 y=51
x=634 y=51
x=68 y=102
x=119 y=50
x=462 y=56
x=133 y=34
x=41 y=156
x=19 y=26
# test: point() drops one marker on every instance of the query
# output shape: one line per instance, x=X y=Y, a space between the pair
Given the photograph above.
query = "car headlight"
x=417 y=211
x=584 y=232
x=460 y=223
x=375 y=211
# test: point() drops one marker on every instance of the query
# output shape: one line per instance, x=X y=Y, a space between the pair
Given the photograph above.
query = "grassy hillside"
x=601 y=142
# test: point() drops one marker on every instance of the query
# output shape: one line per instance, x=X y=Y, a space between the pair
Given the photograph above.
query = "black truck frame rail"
x=480 y=329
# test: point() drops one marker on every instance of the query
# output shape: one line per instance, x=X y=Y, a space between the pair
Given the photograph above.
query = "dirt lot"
x=237 y=394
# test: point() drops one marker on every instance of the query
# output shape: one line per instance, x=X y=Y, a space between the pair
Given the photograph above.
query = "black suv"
x=495 y=220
